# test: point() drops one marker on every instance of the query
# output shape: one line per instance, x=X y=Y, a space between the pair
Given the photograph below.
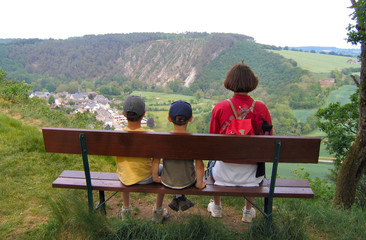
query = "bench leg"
x=102 y=203
x=266 y=205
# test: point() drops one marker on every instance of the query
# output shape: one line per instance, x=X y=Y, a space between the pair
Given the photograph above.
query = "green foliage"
x=283 y=120
x=357 y=32
x=340 y=123
x=322 y=188
x=2 y=76
x=109 y=90
x=51 y=99
x=12 y=90
x=176 y=86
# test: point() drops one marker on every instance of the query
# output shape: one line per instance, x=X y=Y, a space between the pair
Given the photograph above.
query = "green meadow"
x=318 y=63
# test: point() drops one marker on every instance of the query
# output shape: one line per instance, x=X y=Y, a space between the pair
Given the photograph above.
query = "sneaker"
x=126 y=212
x=215 y=211
x=174 y=204
x=185 y=203
x=248 y=215
x=159 y=215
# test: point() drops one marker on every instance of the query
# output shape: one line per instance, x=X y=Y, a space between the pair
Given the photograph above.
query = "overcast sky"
x=276 y=22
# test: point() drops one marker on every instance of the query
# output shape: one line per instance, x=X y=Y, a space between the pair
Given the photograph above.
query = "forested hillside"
x=192 y=64
x=148 y=57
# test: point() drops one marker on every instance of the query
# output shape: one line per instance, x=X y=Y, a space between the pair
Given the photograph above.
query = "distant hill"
x=150 y=57
x=343 y=51
x=320 y=63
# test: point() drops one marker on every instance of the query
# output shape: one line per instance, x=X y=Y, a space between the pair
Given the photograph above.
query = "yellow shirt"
x=131 y=170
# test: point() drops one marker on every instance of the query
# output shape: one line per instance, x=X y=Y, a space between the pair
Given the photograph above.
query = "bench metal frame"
x=268 y=201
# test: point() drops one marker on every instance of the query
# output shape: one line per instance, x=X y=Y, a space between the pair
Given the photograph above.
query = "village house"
x=327 y=82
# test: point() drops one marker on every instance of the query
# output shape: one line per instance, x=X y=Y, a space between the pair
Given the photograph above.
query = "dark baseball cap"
x=135 y=105
x=180 y=108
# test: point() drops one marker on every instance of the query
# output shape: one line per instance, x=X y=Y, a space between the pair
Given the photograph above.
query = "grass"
x=293 y=219
x=318 y=63
x=26 y=176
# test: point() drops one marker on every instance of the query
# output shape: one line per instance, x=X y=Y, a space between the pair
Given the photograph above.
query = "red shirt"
x=222 y=114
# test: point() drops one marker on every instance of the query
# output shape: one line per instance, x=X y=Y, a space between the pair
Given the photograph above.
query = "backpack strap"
x=232 y=107
x=252 y=107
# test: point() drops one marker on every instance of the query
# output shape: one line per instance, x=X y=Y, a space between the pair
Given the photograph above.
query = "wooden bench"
x=273 y=149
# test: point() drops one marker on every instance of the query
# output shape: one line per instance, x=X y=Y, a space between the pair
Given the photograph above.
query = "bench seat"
x=104 y=181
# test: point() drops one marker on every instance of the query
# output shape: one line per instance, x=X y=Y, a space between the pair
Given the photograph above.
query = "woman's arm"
x=200 y=169
x=155 y=170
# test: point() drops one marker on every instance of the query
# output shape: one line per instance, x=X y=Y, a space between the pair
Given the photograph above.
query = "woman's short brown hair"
x=241 y=78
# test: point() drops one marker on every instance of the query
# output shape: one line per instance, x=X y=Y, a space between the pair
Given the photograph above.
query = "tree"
x=150 y=122
x=51 y=99
x=340 y=123
x=354 y=164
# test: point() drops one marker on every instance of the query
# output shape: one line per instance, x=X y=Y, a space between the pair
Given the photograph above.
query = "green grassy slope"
x=317 y=63
x=27 y=173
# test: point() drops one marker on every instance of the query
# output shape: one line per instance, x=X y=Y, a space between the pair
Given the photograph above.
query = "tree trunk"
x=354 y=164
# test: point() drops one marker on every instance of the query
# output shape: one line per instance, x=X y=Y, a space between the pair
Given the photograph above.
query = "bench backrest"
x=183 y=146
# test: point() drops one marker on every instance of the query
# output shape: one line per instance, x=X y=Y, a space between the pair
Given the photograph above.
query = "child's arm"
x=155 y=170
x=200 y=169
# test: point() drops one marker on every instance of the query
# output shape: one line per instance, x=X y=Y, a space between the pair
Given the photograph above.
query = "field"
x=341 y=95
x=318 y=63
x=288 y=170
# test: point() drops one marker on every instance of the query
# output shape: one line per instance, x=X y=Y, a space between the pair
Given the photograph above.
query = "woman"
x=241 y=80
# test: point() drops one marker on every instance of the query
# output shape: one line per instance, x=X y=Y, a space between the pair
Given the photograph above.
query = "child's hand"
x=157 y=179
x=201 y=185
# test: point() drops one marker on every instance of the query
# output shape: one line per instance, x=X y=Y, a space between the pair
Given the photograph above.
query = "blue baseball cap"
x=180 y=108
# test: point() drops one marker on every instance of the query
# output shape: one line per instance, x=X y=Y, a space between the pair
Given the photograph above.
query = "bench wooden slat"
x=169 y=145
x=280 y=182
x=103 y=185
x=286 y=188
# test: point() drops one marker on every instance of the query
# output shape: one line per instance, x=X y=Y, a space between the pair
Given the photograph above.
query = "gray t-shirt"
x=178 y=174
